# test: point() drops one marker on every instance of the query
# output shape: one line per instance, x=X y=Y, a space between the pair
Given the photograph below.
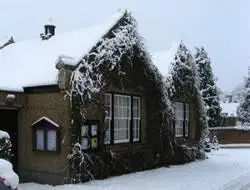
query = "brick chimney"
x=49 y=31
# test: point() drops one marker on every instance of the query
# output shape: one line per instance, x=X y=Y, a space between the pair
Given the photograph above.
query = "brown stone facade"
x=43 y=167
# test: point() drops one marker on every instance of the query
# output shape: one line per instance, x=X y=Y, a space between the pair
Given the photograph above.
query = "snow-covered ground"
x=226 y=169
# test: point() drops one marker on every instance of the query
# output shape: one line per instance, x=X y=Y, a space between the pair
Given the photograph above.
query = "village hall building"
x=36 y=110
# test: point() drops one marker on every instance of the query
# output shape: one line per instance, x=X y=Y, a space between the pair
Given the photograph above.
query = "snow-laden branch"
x=88 y=77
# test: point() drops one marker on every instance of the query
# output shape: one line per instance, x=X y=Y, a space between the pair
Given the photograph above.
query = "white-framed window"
x=181 y=119
x=122 y=118
x=136 y=118
x=108 y=115
x=46 y=135
x=186 y=119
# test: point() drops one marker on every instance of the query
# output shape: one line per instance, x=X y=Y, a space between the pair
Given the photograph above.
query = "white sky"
x=221 y=26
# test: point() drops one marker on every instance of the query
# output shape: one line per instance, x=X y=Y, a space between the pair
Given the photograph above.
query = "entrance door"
x=9 y=123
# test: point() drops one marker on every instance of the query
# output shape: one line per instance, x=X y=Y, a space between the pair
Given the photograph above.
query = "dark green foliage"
x=186 y=154
x=243 y=111
x=184 y=76
x=5 y=148
x=89 y=166
x=183 y=73
x=208 y=87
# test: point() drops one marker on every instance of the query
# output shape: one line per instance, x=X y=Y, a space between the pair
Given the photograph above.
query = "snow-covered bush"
x=214 y=143
x=80 y=165
x=7 y=174
x=5 y=146
x=89 y=77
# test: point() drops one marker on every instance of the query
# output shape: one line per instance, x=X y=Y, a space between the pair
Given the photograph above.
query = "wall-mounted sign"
x=89 y=135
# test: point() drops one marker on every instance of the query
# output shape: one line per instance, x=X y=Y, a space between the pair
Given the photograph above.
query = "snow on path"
x=225 y=169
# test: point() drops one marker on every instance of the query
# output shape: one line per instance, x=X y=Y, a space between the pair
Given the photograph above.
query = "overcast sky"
x=221 y=26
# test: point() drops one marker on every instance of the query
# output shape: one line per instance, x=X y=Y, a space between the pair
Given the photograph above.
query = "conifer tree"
x=184 y=76
x=208 y=87
x=243 y=111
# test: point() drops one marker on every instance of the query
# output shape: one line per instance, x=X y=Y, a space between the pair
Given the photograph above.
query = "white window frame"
x=137 y=119
x=108 y=118
x=187 y=114
x=122 y=118
x=179 y=119
x=182 y=114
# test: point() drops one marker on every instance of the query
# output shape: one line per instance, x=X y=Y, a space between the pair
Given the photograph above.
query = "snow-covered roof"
x=162 y=59
x=229 y=108
x=32 y=62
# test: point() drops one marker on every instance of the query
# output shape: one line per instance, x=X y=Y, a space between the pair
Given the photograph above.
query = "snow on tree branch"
x=208 y=87
x=184 y=76
x=88 y=77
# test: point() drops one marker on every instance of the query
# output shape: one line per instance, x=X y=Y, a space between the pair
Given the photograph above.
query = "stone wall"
x=231 y=135
x=44 y=167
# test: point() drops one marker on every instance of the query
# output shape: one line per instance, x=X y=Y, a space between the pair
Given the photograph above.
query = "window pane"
x=51 y=140
x=85 y=143
x=93 y=130
x=179 y=110
x=179 y=128
x=136 y=129
x=122 y=116
x=40 y=139
x=84 y=130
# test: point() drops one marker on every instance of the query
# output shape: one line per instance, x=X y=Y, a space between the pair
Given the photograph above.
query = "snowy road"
x=241 y=183
x=227 y=169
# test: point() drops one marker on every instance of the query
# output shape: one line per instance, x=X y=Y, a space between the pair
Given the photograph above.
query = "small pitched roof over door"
x=45 y=122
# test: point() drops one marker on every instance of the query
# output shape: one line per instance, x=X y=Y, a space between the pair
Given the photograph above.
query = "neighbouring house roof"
x=162 y=59
x=229 y=108
x=33 y=62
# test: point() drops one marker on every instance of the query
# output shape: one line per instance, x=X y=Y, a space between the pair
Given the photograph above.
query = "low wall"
x=228 y=135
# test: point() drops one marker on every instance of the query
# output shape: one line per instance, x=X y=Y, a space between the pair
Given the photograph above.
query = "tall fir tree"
x=182 y=70
x=243 y=111
x=208 y=87
x=184 y=76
